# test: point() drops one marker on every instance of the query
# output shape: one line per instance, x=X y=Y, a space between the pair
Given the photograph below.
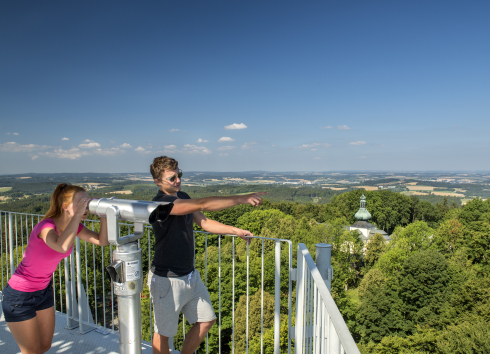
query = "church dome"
x=362 y=214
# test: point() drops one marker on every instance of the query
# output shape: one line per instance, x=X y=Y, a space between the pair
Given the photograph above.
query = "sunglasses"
x=174 y=177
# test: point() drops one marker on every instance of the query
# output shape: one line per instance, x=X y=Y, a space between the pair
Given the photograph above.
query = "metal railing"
x=83 y=291
x=319 y=326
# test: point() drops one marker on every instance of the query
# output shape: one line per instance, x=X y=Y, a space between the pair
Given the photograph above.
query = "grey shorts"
x=170 y=296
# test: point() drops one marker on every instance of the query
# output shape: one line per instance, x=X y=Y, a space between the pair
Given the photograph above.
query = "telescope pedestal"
x=126 y=273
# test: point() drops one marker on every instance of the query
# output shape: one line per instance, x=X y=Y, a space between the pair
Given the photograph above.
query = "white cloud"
x=314 y=149
x=248 y=145
x=225 y=139
x=193 y=149
x=71 y=154
x=326 y=127
x=223 y=154
x=358 y=143
x=313 y=145
x=170 y=147
x=89 y=144
x=224 y=148
x=76 y=153
x=65 y=139
x=316 y=158
x=141 y=150
x=343 y=127
x=16 y=147
x=236 y=126
x=34 y=157
x=15 y=133
x=126 y=146
x=108 y=152
x=202 y=141
x=174 y=130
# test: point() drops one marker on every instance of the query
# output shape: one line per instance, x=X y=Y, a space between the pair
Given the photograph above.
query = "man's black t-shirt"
x=174 y=241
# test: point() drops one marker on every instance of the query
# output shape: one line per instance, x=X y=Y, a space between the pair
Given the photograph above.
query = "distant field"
x=420 y=188
x=449 y=194
x=408 y=194
x=368 y=188
x=5 y=189
x=120 y=192
x=334 y=188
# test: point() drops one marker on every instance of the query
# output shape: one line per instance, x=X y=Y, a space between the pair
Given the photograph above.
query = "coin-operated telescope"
x=126 y=270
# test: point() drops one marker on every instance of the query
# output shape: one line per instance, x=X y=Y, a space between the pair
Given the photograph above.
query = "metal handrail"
x=320 y=327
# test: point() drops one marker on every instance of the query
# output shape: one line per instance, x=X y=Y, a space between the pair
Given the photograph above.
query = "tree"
x=424 y=288
x=466 y=337
x=374 y=249
x=449 y=236
x=404 y=241
x=254 y=319
x=255 y=220
x=427 y=212
x=379 y=311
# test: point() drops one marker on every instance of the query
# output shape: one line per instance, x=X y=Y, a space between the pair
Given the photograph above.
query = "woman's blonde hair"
x=62 y=194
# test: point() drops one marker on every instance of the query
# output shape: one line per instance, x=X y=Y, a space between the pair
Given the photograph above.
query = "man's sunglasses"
x=174 y=177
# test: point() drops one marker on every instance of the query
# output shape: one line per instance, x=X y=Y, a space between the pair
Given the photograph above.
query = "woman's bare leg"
x=34 y=336
x=45 y=322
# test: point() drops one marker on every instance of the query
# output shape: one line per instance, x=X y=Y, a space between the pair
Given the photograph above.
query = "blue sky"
x=106 y=86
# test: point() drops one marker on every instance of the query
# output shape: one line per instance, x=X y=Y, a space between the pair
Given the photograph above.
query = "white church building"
x=366 y=229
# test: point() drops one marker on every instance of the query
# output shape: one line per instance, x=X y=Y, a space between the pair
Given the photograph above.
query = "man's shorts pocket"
x=159 y=286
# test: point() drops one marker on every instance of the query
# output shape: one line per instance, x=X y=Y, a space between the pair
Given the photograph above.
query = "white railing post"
x=324 y=262
x=300 y=299
x=11 y=244
x=333 y=339
x=70 y=303
x=277 y=297
x=83 y=310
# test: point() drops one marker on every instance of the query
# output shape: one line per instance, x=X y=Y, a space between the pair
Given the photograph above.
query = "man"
x=175 y=285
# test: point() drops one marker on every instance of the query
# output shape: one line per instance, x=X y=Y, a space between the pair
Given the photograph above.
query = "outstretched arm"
x=216 y=227
x=187 y=206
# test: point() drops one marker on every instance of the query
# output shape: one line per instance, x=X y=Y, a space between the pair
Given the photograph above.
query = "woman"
x=28 y=299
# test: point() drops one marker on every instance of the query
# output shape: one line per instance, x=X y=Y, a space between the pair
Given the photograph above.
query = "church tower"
x=363 y=226
x=363 y=214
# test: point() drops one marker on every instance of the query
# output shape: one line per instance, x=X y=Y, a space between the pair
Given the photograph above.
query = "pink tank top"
x=40 y=261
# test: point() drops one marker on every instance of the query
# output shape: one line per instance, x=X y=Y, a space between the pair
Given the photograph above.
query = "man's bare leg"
x=160 y=344
x=195 y=336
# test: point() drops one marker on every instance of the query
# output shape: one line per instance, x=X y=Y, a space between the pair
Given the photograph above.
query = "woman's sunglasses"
x=174 y=177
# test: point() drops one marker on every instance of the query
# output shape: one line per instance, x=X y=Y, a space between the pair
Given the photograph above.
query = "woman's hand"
x=82 y=207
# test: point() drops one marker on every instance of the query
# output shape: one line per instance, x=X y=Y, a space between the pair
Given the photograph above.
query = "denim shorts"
x=22 y=306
